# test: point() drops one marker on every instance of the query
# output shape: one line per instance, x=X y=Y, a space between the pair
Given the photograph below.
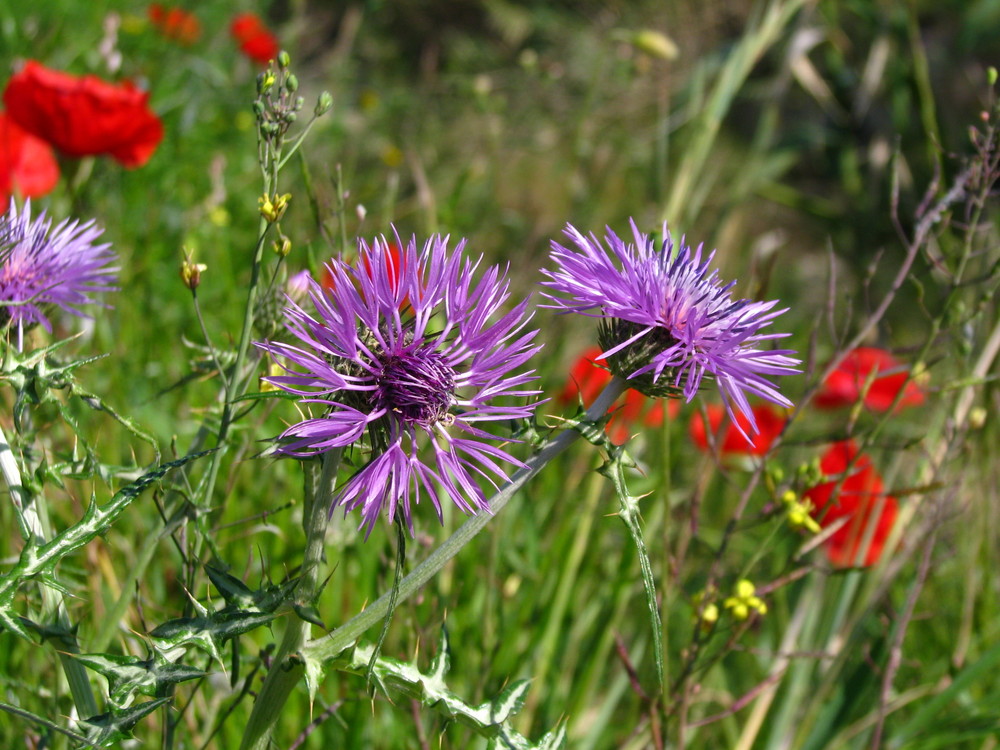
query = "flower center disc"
x=416 y=386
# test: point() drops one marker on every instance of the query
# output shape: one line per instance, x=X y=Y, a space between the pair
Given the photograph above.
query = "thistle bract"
x=411 y=357
x=667 y=320
x=42 y=267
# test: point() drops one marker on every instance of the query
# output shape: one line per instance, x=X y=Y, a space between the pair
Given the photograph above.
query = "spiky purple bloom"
x=668 y=320
x=43 y=267
x=409 y=353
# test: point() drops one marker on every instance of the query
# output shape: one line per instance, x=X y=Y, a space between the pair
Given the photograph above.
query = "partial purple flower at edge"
x=674 y=312
x=406 y=350
x=43 y=267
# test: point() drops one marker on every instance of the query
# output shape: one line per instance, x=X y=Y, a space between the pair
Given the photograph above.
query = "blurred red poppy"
x=175 y=23
x=845 y=384
x=394 y=267
x=28 y=166
x=588 y=378
x=84 y=116
x=861 y=494
x=254 y=38
x=730 y=440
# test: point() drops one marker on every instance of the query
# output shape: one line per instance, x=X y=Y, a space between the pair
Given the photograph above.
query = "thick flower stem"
x=287 y=667
x=330 y=646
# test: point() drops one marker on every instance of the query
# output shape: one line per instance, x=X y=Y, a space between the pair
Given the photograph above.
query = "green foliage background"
x=779 y=135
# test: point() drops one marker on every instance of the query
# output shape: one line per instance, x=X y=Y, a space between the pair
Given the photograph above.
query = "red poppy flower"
x=861 y=494
x=588 y=378
x=255 y=40
x=27 y=164
x=845 y=384
x=175 y=23
x=84 y=116
x=729 y=440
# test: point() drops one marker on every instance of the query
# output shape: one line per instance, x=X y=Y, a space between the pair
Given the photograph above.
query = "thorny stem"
x=34 y=532
x=287 y=668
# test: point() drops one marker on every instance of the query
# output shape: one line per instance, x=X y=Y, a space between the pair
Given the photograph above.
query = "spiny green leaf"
x=488 y=719
x=115 y=726
x=240 y=597
x=128 y=675
x=208 y=632
x=41 y=560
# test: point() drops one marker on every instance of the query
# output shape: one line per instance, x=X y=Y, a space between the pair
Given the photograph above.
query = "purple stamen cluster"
x=669 y=321
x=407 y=352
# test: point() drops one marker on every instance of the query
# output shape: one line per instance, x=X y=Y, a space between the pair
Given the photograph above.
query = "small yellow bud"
x=744 y=589
x=710 y=614
x=265 y=82
x=706 y=612
x=799 y=514
x=273 y=208
x=191 y=272
x=283 y=246
x=655 y=44
x=273 y=369
x=744 y=601
x=977 y=417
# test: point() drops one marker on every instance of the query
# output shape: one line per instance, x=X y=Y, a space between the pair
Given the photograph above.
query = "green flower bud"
x=324 y=103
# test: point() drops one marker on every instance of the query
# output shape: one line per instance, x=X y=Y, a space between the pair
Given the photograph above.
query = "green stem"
x=330 y=646
x=237 y=380
x=287 y=668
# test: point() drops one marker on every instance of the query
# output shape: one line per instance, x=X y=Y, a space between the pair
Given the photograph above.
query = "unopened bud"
x=292 y=83
x=265 y=82
x=323 y=103
x=977 y=417
x=991 y=75
x=284 y=60
x=283 y=246
x=655 y=44
x=273 y=208
x=361 y=212
x=191 y=272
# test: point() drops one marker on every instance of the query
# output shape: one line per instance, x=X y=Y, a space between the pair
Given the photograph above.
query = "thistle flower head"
x=667 y=320
x=42 y=267
x=409 y=355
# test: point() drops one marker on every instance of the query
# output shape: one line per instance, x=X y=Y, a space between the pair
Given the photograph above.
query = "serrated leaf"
x=128 y=675
x=41 y=560
x=115 y=726
x=488 y=719
x=233 y=590
x=241 y=598
x=208 y=632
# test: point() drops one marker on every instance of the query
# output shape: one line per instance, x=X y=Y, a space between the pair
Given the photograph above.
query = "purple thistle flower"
x=667 y=321
x=407 y=351
x=43 y=267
